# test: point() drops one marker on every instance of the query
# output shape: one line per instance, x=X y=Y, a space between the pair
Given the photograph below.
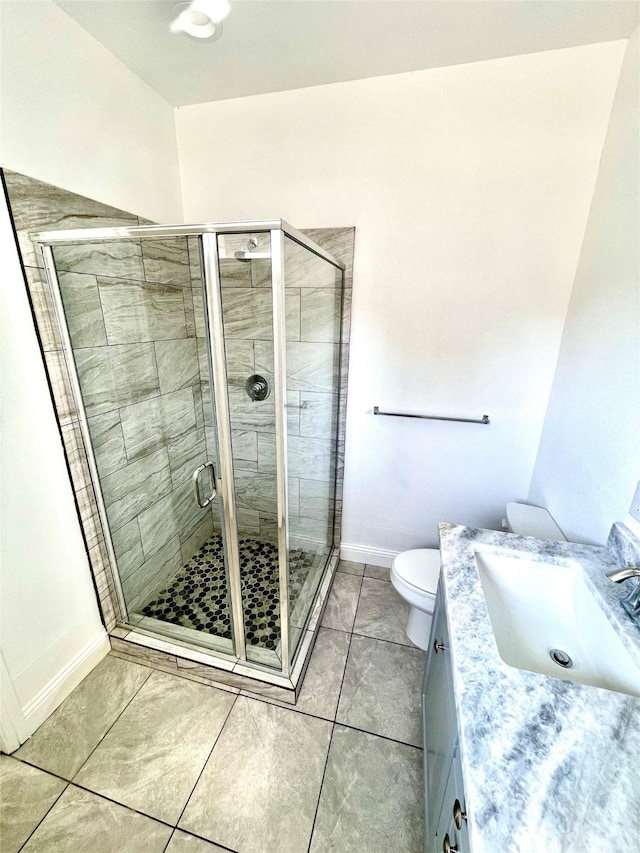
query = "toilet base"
x=419 y=627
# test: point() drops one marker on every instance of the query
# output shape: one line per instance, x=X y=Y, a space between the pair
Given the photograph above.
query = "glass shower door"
x=136 y=320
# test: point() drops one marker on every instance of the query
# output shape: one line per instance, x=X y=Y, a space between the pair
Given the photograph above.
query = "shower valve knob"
x=257 y=387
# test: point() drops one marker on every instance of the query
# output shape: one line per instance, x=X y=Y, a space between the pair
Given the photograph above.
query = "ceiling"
x=275 y=45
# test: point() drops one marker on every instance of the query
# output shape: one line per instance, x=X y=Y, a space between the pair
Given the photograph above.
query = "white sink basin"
x=538 y=607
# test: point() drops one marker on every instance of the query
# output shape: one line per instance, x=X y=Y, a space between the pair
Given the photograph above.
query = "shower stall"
x=205 y=364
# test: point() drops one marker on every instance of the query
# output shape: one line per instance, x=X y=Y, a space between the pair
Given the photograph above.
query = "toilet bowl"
x=414 y=574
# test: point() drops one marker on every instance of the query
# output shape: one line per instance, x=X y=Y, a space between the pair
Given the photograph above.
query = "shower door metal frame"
x=207 y=232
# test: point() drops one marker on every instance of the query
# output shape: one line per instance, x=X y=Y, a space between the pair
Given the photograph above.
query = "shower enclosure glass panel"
x=244 y=265
x=205 y=362
x=313 y=302
x=135 y=315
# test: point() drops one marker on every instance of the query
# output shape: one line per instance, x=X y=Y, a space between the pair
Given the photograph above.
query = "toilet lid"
x=420 y=568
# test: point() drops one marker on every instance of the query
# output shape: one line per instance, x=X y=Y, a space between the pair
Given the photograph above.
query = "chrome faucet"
x=631 y=602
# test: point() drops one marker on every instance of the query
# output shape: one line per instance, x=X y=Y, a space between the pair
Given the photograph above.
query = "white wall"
x=588 y=463
x=469 y=188
x=73 y=115
x=51 y=633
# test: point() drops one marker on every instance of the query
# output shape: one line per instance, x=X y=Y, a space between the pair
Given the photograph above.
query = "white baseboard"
x=56 y=691
x=364 y=554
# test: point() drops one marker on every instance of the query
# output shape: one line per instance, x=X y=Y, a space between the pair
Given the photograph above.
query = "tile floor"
x=140 y=761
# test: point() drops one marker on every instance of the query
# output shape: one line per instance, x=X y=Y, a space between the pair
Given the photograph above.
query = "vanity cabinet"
x=446 y=820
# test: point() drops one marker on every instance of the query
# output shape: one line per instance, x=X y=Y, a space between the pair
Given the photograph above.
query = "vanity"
x=523 y=761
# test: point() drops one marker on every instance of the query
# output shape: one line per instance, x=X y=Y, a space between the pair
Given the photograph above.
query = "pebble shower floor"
x=197 y=598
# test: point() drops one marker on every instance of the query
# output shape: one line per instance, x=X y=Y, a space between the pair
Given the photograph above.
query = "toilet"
x=415 y=573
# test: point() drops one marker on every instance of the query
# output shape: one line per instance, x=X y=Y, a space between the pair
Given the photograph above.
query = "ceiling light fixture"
x=201 y=19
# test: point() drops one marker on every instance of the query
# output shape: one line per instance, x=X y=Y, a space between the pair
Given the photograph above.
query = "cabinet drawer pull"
x=447 y=847
x=438 y=646
x=458 y=814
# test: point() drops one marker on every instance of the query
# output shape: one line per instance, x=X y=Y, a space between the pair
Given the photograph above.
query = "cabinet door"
x=438 y=714
x=451 y=831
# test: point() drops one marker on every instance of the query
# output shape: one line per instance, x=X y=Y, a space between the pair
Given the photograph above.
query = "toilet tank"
x=526 y=520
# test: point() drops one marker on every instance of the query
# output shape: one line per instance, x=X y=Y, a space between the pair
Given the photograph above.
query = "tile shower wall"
x=129 y=309
x=38 y=206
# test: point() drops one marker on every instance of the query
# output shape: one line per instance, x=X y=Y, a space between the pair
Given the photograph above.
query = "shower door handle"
x=195 y=482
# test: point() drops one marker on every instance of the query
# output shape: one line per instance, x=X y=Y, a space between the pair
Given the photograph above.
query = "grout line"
x=133 y=696
x=233 y=704
x=324 y=772
x=391 y=642
x=333 y=728
x=37 y=826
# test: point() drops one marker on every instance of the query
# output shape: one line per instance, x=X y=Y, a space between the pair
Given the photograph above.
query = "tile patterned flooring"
x=138 y=760
x=197 y=597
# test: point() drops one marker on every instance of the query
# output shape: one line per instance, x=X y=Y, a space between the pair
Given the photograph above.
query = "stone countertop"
x=549 y=766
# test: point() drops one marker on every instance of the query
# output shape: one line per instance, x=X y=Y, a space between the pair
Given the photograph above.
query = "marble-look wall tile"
x=234 y=273
x=197 y=406
x=43 y=308
x=177 y=364
x=316 y=498
x=82 y=309
x=320 y=314
x=195 y=537
x=167 y=517
x=293 y=413
x=261 y=272
x=293 y=496
x=293 y=310
x=61 y=387
x=115 y=376
x=107 y=440
x=339 y=242
x=185 y=455
x=247 y=313
x=131 y=490
x=139 y=311
x=37 y=206
x=245 y=448
x=318 y=412
x=166 y=260
x=126 y=650
x=76 y=455
x=193 y=251
x=247 y=414
x=156 y=423
x=307 y=457
x=269 y=526
x=248 y=522
x=303 y=268
x=189 y=312
x=89 y=516
x=255 y=491
x=304 y=531
x=198 y=312
x=114 y=258
x=153 y=575
x=240 y=361
x=312 y=366
x=128 y=548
